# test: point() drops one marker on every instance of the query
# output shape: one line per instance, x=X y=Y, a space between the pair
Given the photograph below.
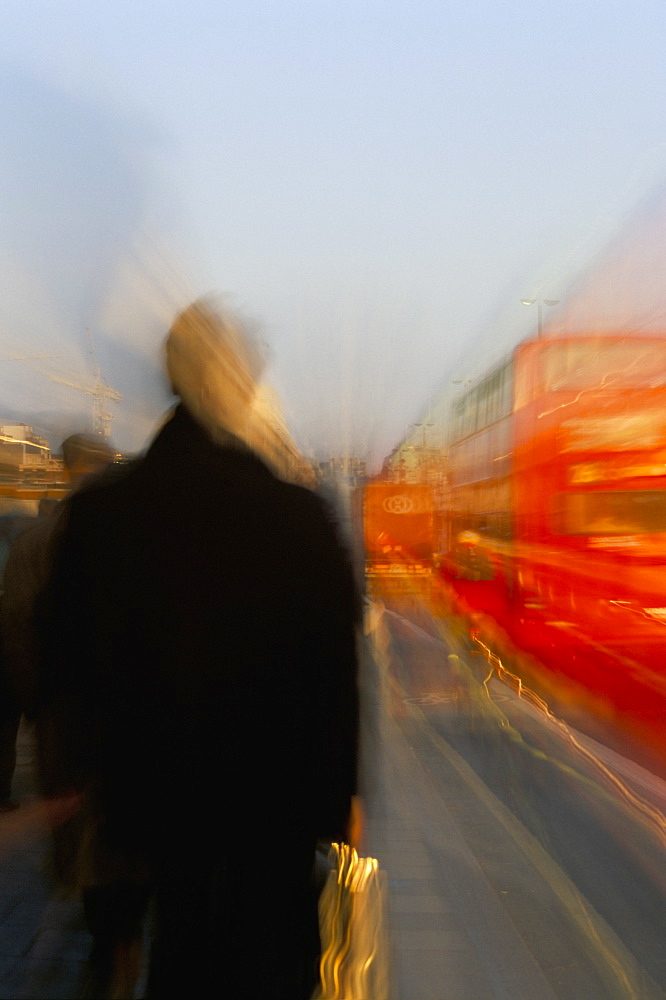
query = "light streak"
x=609 y=953
x=652 y=614
x=654 y=818
x=582 y=392
x=593 y=388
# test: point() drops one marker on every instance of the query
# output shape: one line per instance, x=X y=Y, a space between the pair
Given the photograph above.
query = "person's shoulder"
x=116 y=476
x=304 y=500
x=314 y=521
x=102 y=494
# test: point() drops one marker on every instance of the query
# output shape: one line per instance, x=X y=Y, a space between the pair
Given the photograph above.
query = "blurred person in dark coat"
x=12 y=527
x=200 y=626
x=29 y=564
x=79 y=862
x=25 y=569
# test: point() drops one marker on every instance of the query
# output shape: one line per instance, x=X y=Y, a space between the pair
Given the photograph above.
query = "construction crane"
x=97 y=388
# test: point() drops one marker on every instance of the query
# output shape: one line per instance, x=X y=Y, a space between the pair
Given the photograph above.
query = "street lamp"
x=539 y=302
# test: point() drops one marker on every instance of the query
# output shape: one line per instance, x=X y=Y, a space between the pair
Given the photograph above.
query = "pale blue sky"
x=378 y=184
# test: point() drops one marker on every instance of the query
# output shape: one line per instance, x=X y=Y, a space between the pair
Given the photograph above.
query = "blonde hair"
x=213 y=365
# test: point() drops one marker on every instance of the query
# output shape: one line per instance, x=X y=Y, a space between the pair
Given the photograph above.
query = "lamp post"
x=539 y=302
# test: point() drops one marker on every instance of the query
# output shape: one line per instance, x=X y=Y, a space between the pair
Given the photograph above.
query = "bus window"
x=572 y=365
x=628 y=512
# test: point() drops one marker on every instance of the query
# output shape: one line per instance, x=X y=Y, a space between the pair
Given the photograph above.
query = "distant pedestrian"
x=199 y=629
x=30 y=561
x=80 y=864
x=24 y=546
x=11 y=528
x=10 y=718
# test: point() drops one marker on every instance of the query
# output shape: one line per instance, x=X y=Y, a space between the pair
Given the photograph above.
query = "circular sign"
x=399 y=504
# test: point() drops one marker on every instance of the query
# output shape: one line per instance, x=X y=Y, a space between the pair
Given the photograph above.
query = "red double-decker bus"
x=558 y=511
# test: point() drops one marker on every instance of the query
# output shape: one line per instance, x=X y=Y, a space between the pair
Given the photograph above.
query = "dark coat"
x=28 y=568
x=199 y=627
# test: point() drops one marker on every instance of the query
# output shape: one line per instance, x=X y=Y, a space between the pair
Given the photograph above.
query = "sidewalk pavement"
x=431 y=955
